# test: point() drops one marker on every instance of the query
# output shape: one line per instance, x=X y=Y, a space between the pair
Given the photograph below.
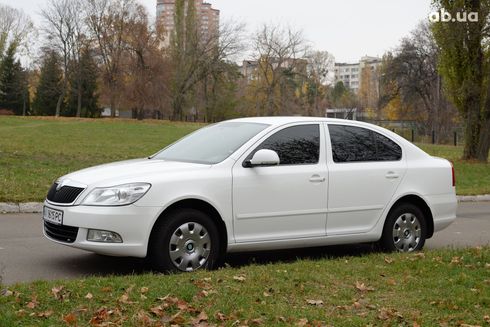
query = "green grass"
x=436 y=288
x=36 y=151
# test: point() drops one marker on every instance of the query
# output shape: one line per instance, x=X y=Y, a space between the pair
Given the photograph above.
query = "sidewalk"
x=37 y=207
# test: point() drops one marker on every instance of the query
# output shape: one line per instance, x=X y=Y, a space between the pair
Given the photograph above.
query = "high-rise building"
x=207 y=17
x=351 y=74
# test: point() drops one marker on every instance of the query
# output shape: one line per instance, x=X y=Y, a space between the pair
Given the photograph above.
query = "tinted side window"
x=354 y=144
x=387 y=149
x=297 y=145
x=351 y=144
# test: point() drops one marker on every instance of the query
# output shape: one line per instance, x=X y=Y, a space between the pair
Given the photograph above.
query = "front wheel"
x=405 y=229
x=185 y=240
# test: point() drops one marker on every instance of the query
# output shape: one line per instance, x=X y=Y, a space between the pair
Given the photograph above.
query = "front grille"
x=66 y=194
x=60 y=233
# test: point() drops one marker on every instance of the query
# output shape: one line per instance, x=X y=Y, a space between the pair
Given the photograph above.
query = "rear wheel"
x=405 y=229
x=185 y=240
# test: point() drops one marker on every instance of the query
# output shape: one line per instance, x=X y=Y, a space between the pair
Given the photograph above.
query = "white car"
x=256 y=184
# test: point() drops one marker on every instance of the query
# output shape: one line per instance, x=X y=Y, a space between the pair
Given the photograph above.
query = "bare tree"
x=15 y=29
x=276 y=49
x=109 y=22
x=63 y=27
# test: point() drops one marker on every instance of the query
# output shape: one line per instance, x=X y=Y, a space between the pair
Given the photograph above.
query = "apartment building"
x=207 y=17
x=351 y=73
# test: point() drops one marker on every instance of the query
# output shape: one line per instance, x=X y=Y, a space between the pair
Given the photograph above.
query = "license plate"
x=53 y=216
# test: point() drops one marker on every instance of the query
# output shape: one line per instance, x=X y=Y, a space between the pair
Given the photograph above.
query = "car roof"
x=282 y=120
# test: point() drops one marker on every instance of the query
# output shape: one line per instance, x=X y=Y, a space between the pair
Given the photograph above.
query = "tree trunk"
x=472 y=133
x=113 y=101
x=60 y=102
x=177 y=105
x=484 y=142
x=79 y=99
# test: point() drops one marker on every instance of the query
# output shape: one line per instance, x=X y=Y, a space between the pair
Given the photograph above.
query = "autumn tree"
x=410 y=76
x=145 y=65
x=280 y=53
x=464 y=66
x=109 y=21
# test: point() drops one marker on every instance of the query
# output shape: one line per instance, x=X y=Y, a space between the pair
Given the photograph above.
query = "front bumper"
x=133 y=223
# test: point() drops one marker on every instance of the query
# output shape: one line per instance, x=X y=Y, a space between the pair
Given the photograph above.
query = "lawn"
x=35 y=151
x=435 y=288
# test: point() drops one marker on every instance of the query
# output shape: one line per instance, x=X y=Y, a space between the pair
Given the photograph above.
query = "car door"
x=286 y=201
x=365 y=169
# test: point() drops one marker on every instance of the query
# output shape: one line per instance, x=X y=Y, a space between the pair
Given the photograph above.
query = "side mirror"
x=263 y=157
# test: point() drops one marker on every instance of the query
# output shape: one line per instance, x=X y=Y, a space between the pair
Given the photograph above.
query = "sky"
x=348 y=29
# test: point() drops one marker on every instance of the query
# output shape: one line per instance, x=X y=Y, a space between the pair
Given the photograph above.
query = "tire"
x=405 y=229
x=185 y=240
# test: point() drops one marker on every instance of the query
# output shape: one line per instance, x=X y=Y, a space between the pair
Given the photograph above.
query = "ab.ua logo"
x=461 y=16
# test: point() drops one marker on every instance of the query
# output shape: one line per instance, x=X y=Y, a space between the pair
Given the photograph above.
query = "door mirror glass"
x=263 y=157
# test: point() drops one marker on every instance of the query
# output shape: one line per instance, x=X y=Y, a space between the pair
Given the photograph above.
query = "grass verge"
x=436 y=288
x=35 y=151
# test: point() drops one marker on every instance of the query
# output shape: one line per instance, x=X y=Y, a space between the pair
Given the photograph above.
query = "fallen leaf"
x=388 y=260
x=158 y=311
x=302 y=322
x=220 y=316
x=144 y=290
x=363 y=288
x=125 y=299
x=33 y=303
x=45 y=314
x=89 y=296
x=143 y=319
x=7 y=292
x=106 y=289
x=267 y=294
x=239 y=278
x=70 y=319
x=200 y=318
x=257 y=322
x=315 y=302
x=486 y=318
x=391 y=282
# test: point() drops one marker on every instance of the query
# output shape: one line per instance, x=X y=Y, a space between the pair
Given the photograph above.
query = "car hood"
x=138 y=170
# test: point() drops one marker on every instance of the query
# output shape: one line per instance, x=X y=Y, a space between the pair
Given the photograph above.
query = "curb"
x=37 y=207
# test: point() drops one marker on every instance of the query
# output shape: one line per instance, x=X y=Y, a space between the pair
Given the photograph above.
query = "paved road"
x=25 y=255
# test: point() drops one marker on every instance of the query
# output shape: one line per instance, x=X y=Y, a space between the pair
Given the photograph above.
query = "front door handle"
x=317 y=179
x=392 y=175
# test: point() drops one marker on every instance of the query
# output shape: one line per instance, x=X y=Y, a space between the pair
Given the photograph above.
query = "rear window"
x=357 y=144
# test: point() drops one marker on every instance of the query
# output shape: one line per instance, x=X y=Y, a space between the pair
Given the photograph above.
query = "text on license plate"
x=53 y=216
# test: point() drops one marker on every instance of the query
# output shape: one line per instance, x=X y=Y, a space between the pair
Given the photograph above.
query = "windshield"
x=212 y=144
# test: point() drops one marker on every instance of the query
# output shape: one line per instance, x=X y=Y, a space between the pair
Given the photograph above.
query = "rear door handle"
x=392 y=175
x=317 y=179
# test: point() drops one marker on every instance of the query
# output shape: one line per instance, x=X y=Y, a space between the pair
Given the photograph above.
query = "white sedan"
x=256 y=184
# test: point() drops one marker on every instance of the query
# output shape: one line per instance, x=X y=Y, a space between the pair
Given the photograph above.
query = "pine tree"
x=49 y=88
x=13 y=84
x=87 y=86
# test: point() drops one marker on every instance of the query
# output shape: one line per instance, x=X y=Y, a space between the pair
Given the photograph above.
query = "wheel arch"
x=203 y=206
x=422 y=205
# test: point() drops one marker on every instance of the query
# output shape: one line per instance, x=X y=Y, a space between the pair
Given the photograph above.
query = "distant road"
x=25 y=255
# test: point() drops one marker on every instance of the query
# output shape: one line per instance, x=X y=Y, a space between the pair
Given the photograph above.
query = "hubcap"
x=190 y=246
x=406 y=232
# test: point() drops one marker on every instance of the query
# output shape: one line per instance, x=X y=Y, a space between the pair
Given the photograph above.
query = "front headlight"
x=117 y=195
